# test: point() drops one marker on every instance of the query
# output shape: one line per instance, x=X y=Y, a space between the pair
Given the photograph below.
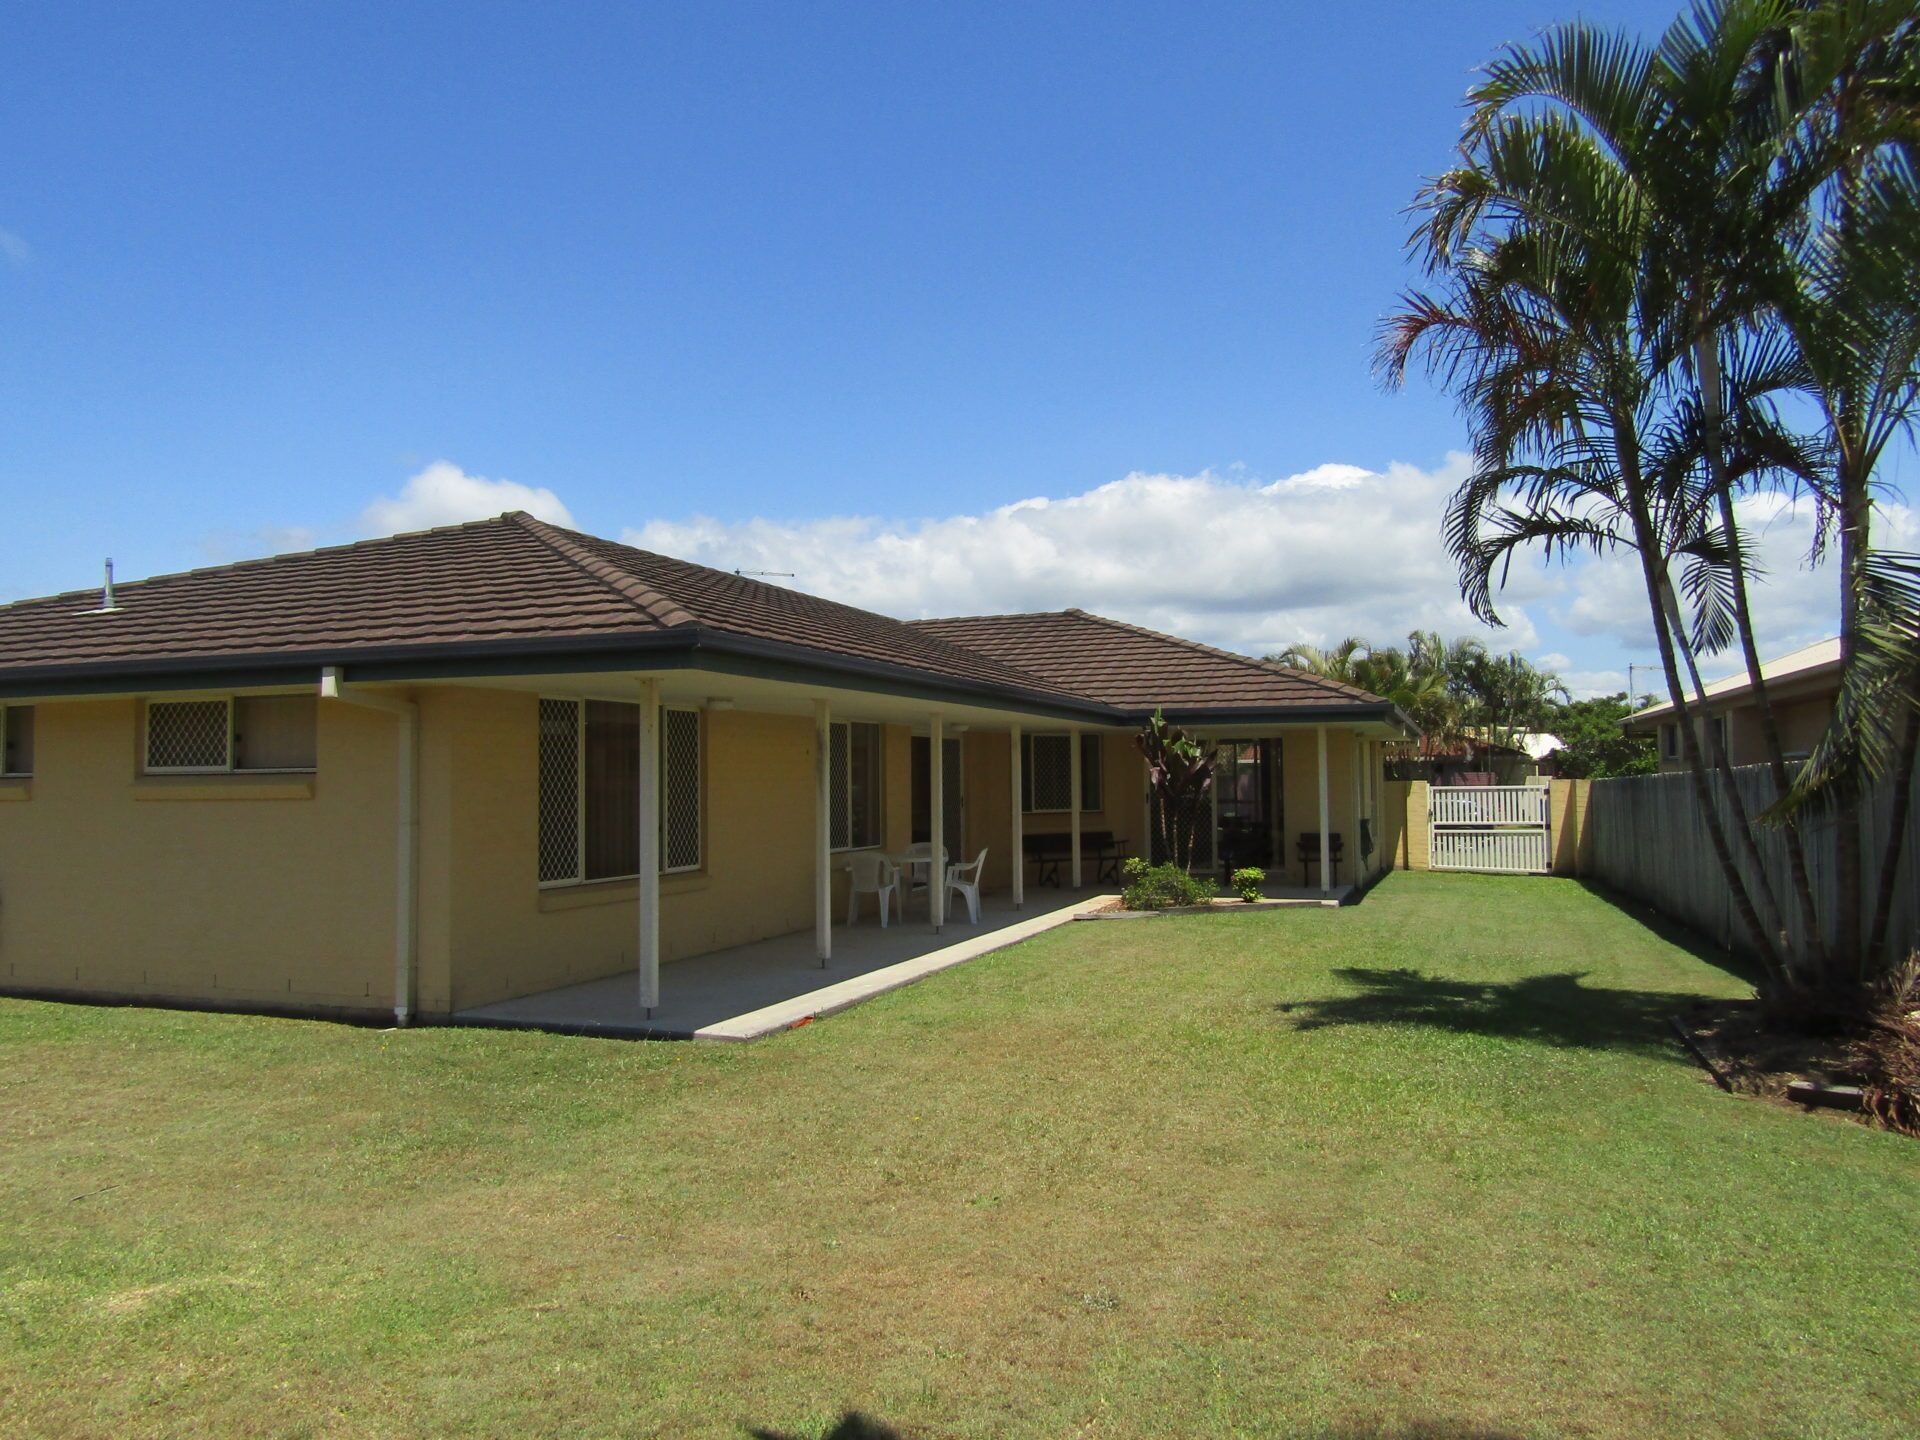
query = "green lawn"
x=1426 y=1166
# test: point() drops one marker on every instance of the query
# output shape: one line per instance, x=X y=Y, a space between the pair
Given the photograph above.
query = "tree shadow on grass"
x=1549 y=1009
x=856 y=1426
x=853 y=1426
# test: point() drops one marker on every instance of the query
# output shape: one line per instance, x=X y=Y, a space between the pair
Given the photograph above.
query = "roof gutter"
x=406 y=905
x=681 y=647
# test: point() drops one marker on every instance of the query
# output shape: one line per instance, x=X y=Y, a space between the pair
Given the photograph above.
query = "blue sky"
x=802 y=287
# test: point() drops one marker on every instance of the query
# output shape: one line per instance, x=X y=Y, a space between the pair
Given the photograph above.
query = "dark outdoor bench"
x=1307 y=848
x=1048 y=851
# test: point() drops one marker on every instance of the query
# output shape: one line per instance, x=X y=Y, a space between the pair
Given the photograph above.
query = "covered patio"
x=752 y=990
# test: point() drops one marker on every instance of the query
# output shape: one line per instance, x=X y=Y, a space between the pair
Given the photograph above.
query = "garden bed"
x=1743 y=1056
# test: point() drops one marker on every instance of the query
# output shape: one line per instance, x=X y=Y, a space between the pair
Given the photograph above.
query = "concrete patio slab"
x=753 y=990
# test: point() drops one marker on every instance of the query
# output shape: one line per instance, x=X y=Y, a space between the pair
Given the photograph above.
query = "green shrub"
x=1161 y=887
x=1247 y=881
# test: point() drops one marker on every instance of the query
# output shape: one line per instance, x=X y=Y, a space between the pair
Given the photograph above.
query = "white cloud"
x=15 y=250
x=444 y=494
x=1334 y=551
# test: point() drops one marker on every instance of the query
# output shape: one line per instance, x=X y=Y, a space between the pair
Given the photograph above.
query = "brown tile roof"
x=1137 y=669
x=502 y=582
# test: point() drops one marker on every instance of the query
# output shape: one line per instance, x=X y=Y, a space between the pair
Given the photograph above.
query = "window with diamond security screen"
x=590 y=790
x=559 y=790
x=1046 y=782
x=854 y=785
x=680 y=789
x=188 y=735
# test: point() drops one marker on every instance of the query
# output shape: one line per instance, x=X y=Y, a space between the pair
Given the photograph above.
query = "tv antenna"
x=768 y=574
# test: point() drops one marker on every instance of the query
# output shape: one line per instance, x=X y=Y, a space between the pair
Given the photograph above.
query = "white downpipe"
x=1019 y=829
x=937 y=827
x=822 y=831
x=1326 y=843
x=1074 y=782
x=406 y=906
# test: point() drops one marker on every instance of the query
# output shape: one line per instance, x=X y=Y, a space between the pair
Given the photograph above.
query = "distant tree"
x=1592 y=746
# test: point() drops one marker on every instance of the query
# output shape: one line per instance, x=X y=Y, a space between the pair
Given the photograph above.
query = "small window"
x=1670 y=741
x=589 y=791
x=854 y=768
x=250 y=732
x=1046 y=781
x=16 y=740
x=274 y=732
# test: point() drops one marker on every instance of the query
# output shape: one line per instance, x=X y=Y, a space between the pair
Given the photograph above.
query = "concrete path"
x=753 y=990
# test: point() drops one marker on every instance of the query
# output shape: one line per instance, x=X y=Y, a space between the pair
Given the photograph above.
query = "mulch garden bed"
x=1727 y=1036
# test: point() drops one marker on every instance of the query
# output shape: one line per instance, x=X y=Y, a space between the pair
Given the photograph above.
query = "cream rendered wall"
x=498 y=934
x=1300 y=781
x=247 y=890
x=990 y=800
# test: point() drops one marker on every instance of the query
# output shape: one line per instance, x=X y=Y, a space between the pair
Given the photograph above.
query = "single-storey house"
x=421 y=774
x=1801 y=688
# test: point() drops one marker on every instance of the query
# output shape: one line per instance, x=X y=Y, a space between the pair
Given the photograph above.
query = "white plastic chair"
x=964 y=881
x=872 y=875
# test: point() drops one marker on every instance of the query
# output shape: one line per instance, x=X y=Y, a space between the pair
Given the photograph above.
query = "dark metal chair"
x=1307 y=848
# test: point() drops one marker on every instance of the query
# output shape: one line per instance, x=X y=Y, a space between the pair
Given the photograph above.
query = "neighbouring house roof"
x=1133 y=668
x=1468 y=744
x=500 y=590
x=1808 y=664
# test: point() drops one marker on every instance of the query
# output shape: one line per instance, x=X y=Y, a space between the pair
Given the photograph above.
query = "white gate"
x=1500 y=829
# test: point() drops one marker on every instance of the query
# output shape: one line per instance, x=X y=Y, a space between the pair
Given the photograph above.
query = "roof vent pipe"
x=107 y=605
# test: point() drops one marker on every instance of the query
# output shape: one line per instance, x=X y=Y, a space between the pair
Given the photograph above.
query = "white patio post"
x=822 y=831
x=1326 y=845
x=1019 y=854
x=1073 y=800
x=937 y=823
x=649 y=882
x=1357 y=748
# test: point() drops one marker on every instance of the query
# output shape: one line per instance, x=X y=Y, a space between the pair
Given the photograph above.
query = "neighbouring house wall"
x=1801 y=720
x=242 y=890
x=498 y=934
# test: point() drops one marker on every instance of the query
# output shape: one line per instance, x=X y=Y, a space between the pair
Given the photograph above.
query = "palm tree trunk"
x=1849 y=867
x=1707 y=364
x=1716 y=751
x=1653 y=574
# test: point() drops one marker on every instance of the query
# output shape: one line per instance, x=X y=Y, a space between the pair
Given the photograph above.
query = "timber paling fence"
x=1650 y=842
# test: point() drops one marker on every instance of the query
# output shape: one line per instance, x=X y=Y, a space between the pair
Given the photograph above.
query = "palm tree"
x=1641 y=251
x=1335 y=664
x=1542 y=323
